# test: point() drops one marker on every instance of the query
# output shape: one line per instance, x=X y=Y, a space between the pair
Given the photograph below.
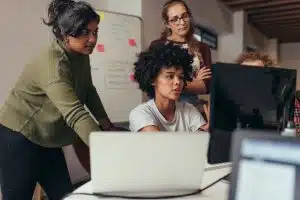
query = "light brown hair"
x=253 y=56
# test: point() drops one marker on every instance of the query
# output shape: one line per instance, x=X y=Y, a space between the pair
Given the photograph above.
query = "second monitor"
x=247 y=97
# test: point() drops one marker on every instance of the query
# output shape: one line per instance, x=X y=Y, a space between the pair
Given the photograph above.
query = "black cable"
x=213 y=183
x=103 y=195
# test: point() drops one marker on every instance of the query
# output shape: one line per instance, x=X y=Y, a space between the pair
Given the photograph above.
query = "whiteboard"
x=119 y=42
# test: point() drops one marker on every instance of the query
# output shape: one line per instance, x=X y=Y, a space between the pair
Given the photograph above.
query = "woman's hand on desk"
x=204 y=127
x=106 y=125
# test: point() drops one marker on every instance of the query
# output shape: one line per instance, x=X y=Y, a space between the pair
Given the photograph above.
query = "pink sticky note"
x=100 y=47
x=131 y=76
x=132 y=42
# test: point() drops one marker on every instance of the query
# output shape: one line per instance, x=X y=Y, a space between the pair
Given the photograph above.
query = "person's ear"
x=66 y=39
x=153 y=83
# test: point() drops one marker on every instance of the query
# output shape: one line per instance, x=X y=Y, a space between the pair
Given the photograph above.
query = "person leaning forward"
x=45 y=109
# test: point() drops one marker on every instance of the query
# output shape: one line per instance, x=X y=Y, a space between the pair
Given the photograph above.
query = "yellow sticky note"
x=101 y=14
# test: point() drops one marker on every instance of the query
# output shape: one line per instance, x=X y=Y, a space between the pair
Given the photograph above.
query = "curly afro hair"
x=150 y=62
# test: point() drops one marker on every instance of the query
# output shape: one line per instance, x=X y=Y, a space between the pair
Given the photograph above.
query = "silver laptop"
x=147 y=162
x=265 y=166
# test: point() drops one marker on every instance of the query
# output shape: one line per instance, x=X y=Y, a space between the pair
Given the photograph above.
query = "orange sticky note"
x=100 y=47
x=132 y=42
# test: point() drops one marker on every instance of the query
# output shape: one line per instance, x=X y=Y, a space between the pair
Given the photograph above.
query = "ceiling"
x=274 y=18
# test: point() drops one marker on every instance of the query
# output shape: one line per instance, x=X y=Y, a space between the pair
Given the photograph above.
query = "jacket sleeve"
x=95 y=105
x=58 y=86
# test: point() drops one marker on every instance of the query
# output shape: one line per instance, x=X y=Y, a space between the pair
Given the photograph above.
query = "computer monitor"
x=247 y=97
x=265 y=166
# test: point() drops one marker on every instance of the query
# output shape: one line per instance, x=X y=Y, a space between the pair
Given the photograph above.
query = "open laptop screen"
x=267 y=169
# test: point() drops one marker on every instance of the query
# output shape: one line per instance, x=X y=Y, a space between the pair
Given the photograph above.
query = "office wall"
x=254 y=38
x=243 y=35
x=289 y=58
x=231 y=44
x=289 y=55
x=22 y=35
x=272 y=48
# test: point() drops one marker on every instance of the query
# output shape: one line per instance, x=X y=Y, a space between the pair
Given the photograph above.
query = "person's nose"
x=92 y=38
x=181 y=21
x=177 y=80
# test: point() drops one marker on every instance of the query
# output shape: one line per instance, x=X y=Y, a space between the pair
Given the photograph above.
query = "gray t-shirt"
x=187 y=118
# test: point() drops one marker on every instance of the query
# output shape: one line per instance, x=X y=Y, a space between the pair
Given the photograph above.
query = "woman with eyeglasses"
x=45 y=109
x=179 y=30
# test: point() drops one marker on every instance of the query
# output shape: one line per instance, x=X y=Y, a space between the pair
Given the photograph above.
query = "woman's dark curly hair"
x=151 y=61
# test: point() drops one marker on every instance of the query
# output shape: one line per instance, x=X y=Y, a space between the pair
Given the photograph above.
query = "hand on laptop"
x=204 y=127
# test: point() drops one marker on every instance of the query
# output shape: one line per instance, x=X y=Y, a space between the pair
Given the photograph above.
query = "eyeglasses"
x=176 y=20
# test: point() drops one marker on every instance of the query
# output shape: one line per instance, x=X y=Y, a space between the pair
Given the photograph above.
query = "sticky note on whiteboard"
x=132 y=42
x=101 y=14
x=100 y=47
x=131 y=77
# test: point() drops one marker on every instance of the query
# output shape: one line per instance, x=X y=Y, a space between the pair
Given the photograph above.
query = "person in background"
x=45 y=109
x=179 y=29
x=162 y=73
x=258 y=59
x=254 y=59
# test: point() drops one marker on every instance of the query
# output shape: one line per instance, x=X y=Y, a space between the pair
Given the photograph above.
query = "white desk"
x=217 y=192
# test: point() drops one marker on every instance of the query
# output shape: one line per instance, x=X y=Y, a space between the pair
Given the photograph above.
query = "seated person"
x=254 y=59
x=162 y=72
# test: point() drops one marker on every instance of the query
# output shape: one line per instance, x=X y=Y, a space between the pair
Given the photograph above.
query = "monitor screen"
x=266 y=169
x=246 y=97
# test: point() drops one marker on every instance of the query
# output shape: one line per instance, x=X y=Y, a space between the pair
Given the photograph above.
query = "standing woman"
x=179 y=30
x=45 y=109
